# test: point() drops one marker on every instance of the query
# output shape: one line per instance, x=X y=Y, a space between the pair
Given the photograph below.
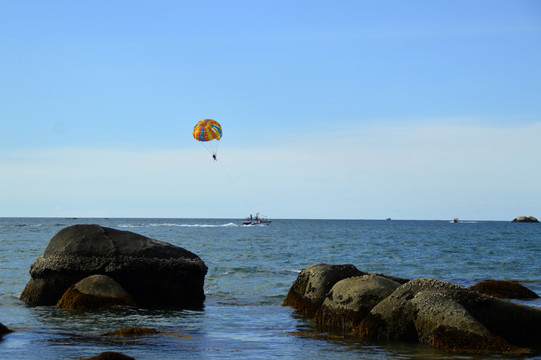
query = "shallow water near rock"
x=250 y=272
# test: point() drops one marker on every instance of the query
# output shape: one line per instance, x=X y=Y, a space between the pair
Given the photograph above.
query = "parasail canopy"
x=207 y=130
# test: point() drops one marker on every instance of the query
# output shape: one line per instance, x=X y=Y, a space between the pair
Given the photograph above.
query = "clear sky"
x=330 y=109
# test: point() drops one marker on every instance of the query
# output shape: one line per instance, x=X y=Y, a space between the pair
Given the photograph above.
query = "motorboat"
x=256 y=221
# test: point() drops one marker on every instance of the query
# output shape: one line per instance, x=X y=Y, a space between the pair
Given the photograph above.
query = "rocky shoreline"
x=378 y=307
x=93 y=267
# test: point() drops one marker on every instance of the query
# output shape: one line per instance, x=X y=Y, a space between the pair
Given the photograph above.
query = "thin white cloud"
x=425 y=171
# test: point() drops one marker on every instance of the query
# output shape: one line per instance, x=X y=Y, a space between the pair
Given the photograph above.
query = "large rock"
x=313 y=283
x=525 y=219
x=454 y=318
x=95 y=292
x=351 y=299
x=154 y=273
x=442 y=322
x=504 y=290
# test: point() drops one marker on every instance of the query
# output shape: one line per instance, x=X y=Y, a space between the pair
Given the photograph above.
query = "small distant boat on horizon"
x=256 y=221
x=455 y=220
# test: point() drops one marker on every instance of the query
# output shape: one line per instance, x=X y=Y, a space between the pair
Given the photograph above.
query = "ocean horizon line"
x=244 y=217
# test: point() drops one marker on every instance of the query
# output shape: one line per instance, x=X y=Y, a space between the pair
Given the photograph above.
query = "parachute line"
x=209 y=132
x=235 y=185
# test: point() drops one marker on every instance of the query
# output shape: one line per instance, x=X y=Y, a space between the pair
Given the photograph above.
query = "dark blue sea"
x=250 y=272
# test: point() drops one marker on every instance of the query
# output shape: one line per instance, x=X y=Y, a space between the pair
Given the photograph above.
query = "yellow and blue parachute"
x=209 y=132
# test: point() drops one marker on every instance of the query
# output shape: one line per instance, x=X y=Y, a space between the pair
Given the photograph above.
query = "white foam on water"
x=178 y=225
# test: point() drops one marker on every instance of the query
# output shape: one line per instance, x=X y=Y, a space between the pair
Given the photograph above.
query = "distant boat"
x=388 y=219
x=455 y=220
x=256 y=221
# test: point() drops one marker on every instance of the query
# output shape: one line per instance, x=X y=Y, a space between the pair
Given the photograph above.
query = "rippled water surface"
x=250 y=272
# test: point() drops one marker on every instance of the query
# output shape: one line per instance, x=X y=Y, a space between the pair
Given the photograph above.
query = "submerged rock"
x=154 y=273
x=95 y=292
x=110 y=355
x=525 y=219
x=132 y=331
x=504 y=290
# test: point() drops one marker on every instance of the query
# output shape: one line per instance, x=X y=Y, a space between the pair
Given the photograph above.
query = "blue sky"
x=342 y=109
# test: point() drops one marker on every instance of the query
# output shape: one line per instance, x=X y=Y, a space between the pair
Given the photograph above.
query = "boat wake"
x=178 y=225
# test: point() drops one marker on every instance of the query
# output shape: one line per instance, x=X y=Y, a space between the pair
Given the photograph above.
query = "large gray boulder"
x=351 y=299
x=442 y=322
x=154 y=273
x=313 y=283
x=453 y=318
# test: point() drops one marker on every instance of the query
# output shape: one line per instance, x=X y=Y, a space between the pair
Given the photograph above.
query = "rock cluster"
x=152 y=272
x=525 y=219
x=377 y=307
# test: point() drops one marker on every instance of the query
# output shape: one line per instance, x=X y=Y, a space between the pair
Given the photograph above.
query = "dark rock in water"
x=95 y=292
x=504 y=290
x=133 y=331
x=154 y=273
x=4 y=330
x=313 y=283
x=525 y=219
x=110 y=355
x=351 y=299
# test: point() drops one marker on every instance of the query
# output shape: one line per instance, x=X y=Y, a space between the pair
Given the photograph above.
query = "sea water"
x=250 y=270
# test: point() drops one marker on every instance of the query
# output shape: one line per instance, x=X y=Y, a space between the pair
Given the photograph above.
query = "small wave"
x=290 y=271
x=21 y=226
x=252 y=270
x=178 y=225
